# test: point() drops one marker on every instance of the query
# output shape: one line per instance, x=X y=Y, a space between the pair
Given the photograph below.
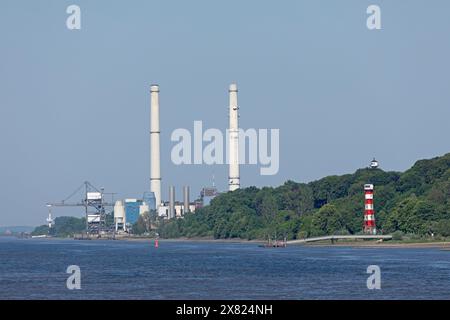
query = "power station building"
x=149 y=199
x=133 y=210
x=127 y=212
x=176 y=209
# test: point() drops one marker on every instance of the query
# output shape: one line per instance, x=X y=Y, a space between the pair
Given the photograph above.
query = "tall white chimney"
x=233 y=177
x=155 y=169
x=186 y=199
x=172 y=213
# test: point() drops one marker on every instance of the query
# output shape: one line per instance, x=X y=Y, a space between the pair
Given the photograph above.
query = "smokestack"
x=233 y=177
x=171 y=202
x=186 y=199
x=155 y=170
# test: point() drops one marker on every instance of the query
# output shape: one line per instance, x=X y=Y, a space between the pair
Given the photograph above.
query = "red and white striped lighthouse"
x=369 y=213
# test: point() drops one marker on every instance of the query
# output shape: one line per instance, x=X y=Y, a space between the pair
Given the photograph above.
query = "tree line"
x=414 y=202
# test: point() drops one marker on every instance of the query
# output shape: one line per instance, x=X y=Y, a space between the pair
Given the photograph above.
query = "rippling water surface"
x=36 y=269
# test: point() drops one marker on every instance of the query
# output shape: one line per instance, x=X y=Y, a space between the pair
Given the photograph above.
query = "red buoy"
x=156 y=243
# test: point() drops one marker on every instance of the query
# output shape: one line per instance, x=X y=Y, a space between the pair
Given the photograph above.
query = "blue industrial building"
x=132 y=210
x=150 y=200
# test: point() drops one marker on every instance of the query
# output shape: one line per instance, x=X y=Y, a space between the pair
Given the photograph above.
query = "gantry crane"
x=94 y=204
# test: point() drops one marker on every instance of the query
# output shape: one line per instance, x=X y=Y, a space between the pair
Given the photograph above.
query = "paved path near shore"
x=347 y=237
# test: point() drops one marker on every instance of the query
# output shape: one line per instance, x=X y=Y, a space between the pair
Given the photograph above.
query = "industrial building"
x=155 y=158
x=176 y=209
x=127 y=212
x=150 y=199
x=164 y=210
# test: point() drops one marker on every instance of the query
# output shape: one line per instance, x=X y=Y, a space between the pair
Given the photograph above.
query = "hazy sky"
x=74 y=105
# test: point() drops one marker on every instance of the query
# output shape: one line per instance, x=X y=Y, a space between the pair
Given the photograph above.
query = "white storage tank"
x=119 y=215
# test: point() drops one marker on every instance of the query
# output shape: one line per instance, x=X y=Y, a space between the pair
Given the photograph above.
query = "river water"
x=36 y=269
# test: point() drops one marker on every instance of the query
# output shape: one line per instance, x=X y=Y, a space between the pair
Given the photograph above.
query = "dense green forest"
x=414 y=202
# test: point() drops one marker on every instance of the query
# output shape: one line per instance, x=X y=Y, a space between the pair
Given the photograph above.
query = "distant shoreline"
x=340 y=243
x=386 y=245
x=444 y=245
x=212 y=240
x=351 y=244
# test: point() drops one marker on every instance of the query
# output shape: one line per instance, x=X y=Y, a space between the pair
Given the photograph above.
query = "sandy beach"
x=356 y=244
x=443 y=245
x=373 y=244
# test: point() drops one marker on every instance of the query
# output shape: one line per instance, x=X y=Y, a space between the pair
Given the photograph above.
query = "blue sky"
x=74 y=105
